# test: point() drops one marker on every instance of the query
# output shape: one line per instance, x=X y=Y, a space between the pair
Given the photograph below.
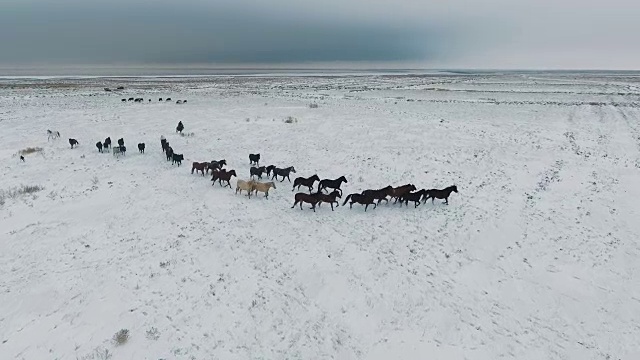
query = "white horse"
x=52 y=135
x=116 y=151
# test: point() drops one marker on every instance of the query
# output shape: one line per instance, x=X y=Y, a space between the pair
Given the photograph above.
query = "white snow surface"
x=537 y=256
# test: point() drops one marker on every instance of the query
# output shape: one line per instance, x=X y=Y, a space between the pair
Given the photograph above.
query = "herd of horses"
x=328 y=190
x=140 y=100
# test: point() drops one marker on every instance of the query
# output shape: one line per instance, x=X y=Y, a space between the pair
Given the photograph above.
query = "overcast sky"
x=522 y=34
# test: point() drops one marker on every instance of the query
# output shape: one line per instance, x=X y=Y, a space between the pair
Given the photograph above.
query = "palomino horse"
x=264 y=187
x=245 y=185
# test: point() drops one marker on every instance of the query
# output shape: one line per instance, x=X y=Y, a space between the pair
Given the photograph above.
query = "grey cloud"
x=454 y=33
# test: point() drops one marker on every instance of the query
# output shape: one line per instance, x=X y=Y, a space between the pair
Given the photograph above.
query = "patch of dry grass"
x=30 y=150
x=15 y=192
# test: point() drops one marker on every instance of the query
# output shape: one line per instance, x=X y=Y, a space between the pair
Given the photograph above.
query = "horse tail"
x=320 y=185
x=346 y=199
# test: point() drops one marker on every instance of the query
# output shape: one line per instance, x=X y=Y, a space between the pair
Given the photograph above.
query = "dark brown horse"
x=197 y=166
x=331 y=198
x=413 y=196
x=380 y=194
x=223 y=175
x=360 y=199
x=401 y=190
x=440 y=194
x=304 y=197
x=308 y=182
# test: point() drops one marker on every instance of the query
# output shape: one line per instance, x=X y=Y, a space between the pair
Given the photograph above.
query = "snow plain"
x=537 y=257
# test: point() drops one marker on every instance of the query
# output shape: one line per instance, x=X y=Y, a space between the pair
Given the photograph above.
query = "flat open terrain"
x=537 y=257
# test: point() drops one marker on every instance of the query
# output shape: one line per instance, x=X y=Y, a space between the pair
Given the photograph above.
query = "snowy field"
x=537 y=257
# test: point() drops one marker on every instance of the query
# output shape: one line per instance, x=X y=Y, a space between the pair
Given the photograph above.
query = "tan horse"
x=245 y=185
x=263 y=187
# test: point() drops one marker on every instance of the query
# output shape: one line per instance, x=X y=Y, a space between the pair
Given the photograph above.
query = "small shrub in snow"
x=191 y=134
x=290 y=120
x=95 y=180
x=313 y=106
x=121 y=337
x=153 y=334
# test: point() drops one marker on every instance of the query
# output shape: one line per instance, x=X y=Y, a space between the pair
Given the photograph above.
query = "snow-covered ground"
x=537 y=257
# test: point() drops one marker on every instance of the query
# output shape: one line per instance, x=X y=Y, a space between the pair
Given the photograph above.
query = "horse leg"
x=294 y=204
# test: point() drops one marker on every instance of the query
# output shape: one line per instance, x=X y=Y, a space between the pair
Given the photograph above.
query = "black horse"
x=283 y=172
x=141 y=148
x=216 y=165
x=169 y=152
x=380 y=194
x=99 y=146
x=254 y=159
x=308 y=182
x=163 y=144
x=257 y=171
x=270 y=169
x=107 y=143
x=177 y=159
x=332 y=184
x=413 y=196
x=121 y=142
x=360 y=199
x=73 y=142
x=440 y=194
x=180 y=127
